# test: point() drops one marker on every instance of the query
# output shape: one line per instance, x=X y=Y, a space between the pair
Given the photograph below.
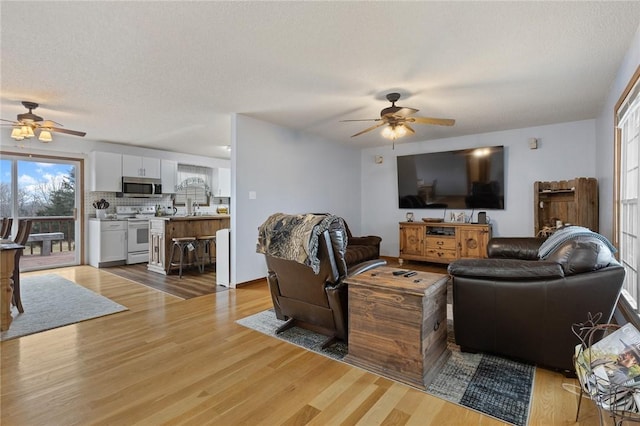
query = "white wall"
x=604 y=135
x=565 y=151
x=290 y=172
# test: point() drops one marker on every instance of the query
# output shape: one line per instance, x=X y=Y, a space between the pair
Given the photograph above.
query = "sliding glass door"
x=45 y=191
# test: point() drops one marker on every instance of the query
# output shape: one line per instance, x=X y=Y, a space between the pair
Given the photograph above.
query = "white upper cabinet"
x=169 y=169
x=133 y=165
x=106 y=171
x=224 y=183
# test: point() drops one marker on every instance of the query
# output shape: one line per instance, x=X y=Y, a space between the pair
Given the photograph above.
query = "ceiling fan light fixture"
x=45 y=136
x=27 y=132
x=394 y=132
x=16 y=133
x=388 y=133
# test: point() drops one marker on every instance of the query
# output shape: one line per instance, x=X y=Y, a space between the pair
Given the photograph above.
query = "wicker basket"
x=621 y=403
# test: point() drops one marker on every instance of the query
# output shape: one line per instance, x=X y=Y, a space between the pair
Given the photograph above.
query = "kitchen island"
x=163 y=229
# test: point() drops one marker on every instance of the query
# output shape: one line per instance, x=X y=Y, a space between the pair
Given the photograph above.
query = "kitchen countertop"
x=203 y=217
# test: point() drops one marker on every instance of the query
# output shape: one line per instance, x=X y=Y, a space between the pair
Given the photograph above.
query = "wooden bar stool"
x=183 y=245
x=205 y=241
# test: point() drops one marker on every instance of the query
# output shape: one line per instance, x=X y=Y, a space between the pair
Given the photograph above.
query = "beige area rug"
x=51 y=301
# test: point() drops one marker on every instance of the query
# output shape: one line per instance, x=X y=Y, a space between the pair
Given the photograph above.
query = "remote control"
x=410 y=274
x=399 y=272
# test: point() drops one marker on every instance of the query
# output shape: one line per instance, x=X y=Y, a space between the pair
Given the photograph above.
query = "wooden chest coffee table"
x=398 y=325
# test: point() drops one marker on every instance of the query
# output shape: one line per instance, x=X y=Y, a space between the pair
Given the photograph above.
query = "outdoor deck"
x=29 y=262
x=53 y=234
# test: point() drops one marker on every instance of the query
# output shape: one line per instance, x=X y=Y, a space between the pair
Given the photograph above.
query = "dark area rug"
x=495 y=386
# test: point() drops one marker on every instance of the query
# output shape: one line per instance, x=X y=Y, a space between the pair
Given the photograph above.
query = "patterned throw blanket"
x=565 y=234
x=295 y=237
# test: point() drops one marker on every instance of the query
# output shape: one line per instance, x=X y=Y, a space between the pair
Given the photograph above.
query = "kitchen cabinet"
x=572 y=201
x=133 y=165
x=223 y=183
x=107 y=242
x=106 y=171
x=443 y=242
x=169 y=173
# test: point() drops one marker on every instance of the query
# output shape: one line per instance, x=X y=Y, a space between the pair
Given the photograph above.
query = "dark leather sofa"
x=519 y=306
x=361 y=249
x=318 y=301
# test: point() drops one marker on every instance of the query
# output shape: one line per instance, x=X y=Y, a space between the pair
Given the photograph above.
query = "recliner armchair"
x=520 y=306
x=302 y=296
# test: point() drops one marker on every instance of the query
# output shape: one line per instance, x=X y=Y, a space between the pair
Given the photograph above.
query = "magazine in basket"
x=616 y=358
x=609 y=370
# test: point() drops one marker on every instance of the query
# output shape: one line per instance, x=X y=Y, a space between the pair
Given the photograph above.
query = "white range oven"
x=137 y=231
x=137 y=240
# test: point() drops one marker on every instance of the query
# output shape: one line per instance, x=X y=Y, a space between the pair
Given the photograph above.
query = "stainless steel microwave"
x=140 y=187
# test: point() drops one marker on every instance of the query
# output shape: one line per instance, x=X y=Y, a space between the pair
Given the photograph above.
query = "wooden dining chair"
x=24 y=229
x=5 y=230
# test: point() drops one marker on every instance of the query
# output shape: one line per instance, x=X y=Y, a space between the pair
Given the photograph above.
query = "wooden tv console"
x=442 y=242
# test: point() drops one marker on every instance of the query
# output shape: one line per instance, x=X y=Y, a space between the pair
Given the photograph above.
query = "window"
x=627 y=173
x=194 y=183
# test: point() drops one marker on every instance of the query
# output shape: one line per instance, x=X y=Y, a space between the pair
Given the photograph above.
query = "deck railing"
x=45 y=224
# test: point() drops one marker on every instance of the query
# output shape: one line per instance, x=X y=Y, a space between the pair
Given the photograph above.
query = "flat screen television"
x=463 y=179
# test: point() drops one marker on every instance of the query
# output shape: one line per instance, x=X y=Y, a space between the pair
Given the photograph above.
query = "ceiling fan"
x=397 y=120
x=28 y=124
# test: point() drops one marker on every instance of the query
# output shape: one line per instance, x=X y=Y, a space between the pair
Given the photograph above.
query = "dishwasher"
x=107 y=242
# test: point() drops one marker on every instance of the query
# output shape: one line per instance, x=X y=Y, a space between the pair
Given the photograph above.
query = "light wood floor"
x=173 y=361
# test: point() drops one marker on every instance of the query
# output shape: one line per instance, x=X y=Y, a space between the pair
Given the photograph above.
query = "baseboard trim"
x=390 y=259
x=251 y=282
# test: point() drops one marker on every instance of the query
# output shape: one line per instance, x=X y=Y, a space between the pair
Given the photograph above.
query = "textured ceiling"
x=167 y=75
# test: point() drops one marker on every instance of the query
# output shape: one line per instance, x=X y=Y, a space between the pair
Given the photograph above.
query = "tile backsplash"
x=165 y=203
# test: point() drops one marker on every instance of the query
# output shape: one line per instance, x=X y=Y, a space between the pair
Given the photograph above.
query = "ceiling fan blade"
x=405 y=112
x=409 y=129
x=366 y=119
x=369 y=129
x=49 y=123
x=428 y=120
x=15 y=123
x=397 y=112
x=69 y=132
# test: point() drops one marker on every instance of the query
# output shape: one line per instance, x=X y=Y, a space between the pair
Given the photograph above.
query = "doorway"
x=45 y=190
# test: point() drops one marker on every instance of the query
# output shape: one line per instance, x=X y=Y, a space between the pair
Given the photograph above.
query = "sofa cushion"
x=582 y=254
x=356 y=254
x=506 y=269
x=525 y=248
